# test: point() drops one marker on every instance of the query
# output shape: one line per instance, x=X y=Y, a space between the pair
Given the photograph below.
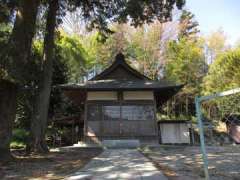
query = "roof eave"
x=156 y=89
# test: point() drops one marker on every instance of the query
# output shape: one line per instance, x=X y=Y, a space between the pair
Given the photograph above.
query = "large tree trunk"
x=8 y=93
x=20 y=42
x=15 y=60
x=39 y=124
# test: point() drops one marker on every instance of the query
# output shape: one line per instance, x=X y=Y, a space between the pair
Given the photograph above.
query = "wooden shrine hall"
x=120 y=103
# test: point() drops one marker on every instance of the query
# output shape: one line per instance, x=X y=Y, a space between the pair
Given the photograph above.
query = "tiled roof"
x=122 y=85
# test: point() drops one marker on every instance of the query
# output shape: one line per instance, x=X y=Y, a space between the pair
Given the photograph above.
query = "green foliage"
x=73 y=55
x=98 y=53
x=224 y=73
x=26 y=97
x=7 y=10
x=17 y=145
x=19 y=138
x=5 y=30
x=27 y=64
x=161 y=116
x=20 y=135
x=147 y=47
x=143 y=47
x=99 y=14
x=215 y=45
x=69 y=57
x=188 y=26
x=101 y=52
x=186 y=64
x=60 y=76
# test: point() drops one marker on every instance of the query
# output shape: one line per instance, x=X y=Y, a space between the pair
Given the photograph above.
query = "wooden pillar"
x=120 y=99
x=192 y=134
x=101 y=133
x=159 y=134
x=155 y=118
x=72 y=133
x=85 y=125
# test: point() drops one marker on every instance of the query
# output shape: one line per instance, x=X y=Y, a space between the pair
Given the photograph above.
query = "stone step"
x=123 y=143
x=84 y=144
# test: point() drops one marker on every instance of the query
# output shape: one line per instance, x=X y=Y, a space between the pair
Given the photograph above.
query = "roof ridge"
x=120 y=61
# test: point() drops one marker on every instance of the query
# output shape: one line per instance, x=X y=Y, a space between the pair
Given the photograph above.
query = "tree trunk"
x=20 y=42
x=8 y=93
x=39 y=124
x=14 y=60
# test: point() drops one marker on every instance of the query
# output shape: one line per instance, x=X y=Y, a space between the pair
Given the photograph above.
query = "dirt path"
x=185 y=162
x=54 y=165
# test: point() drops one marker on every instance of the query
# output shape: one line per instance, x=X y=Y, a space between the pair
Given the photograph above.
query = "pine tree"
x=188 y=26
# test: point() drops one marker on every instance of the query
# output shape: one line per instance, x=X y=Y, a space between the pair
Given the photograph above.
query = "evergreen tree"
x=188 y=26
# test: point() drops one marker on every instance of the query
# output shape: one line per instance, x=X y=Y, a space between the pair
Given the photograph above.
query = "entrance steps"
x=113 y=143
x=123 y=143
x=85 y=144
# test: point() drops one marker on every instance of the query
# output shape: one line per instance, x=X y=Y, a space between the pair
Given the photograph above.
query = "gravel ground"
x=185 y=163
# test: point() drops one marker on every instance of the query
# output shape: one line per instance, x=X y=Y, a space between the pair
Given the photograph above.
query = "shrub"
x=19 y=138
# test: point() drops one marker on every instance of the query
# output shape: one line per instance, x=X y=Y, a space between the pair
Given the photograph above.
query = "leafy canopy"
x=224 y=72
x=98 y=14
x=74 y=55
x=186 y=64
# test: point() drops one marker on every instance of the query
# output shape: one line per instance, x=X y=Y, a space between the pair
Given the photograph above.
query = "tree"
x=223 y=75
x=7 y=116
x=7 y=10
x=26 y=97
x=223 y=72
x=98 y=15
x=97 y=50
x=73 y=23
x=144 y=47
x=5 y=31
x=147 y=46
x=14 y=60
x=75 y=55
x=39 y=122
x=20 y=42
x=216 y=44
x=103 y=51
x=186 y=65
x=188 y=27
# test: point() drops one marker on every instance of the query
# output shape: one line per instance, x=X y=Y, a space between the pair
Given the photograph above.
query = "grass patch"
x=17 y=145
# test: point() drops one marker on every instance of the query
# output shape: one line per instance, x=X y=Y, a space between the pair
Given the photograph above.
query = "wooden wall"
x=113 y=95
x=102 y=95
x=98 y=128
x=138 y=95
x=174 y=133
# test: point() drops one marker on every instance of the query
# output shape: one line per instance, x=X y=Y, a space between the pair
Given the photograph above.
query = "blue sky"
x=215 y=14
